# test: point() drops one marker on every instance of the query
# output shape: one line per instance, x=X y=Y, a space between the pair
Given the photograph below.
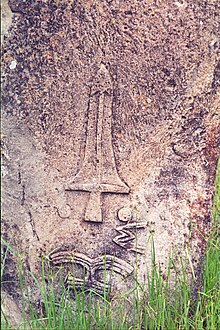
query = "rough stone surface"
x=11 y=310
x=6 y=18
x=111 y=122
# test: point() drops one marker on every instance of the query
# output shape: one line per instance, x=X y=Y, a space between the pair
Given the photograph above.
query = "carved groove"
x=91 y=267
x=127 y=240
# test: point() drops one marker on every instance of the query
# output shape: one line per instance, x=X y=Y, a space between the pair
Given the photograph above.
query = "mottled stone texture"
x=109 y=105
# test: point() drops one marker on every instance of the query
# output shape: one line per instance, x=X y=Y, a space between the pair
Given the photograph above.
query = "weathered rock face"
x=110 y=130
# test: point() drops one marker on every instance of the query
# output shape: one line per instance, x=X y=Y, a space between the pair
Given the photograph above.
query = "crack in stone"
x=33 y=226
x=23 y=186
x=23 y=195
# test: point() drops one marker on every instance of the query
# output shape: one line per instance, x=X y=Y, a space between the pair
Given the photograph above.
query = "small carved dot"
x=64 y=211
x=125 y=214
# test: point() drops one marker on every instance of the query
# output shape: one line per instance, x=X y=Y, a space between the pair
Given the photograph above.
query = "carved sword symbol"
x=98 y=173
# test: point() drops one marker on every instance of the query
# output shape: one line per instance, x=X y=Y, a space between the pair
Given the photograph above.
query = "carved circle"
x=125 y=214
x=64 y=211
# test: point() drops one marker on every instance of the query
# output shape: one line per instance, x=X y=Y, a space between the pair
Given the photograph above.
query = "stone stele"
x=110 y=132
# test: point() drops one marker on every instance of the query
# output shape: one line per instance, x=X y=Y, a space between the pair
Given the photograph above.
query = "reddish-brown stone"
x=159 y=81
